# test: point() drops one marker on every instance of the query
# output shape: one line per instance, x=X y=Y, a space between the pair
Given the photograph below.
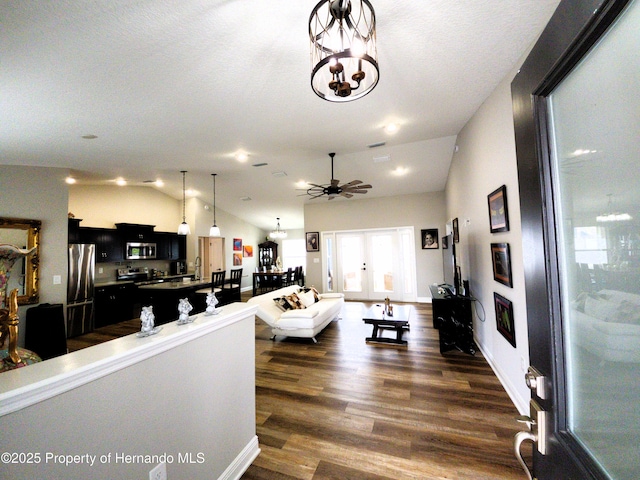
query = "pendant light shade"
x=214 y=231
x=277 y=233
x=183 y=228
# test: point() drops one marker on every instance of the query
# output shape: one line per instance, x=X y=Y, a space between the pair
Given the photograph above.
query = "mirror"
x=24 y=275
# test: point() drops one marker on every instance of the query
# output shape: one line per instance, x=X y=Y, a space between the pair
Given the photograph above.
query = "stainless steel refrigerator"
x=80 y=288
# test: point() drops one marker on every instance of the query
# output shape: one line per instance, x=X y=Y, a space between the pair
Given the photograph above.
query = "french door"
x=577 y=122
x=371 y=265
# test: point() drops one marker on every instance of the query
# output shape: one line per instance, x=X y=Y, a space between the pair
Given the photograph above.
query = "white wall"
x=188 y=390
x=40 y=194
x=426 y=210
x=486 y=160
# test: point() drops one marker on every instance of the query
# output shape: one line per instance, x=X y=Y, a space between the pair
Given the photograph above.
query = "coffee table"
x=399 y=322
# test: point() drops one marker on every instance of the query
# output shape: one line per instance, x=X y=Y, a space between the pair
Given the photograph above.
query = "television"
x=449 y=264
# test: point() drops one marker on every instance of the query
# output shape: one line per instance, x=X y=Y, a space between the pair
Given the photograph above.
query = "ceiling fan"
x=333 y=189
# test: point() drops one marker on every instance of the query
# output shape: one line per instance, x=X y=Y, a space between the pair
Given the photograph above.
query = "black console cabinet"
x=453 y=318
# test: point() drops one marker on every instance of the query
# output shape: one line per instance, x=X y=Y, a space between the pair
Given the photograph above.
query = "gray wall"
x=426 y=210
x=486 y=159
x=39 y=193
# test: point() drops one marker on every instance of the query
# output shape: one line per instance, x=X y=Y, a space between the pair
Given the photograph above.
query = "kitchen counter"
x=176 y=285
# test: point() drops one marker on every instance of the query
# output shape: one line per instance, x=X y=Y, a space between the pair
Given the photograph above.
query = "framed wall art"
x=498 y=212
x=501 y=259
x=237 y=244
x=247 y=251
x=504 y=318
x=313 y=242
x=429 y=238
x=456 y=233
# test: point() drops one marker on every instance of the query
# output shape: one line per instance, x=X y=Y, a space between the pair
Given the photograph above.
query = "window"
x=294 y=254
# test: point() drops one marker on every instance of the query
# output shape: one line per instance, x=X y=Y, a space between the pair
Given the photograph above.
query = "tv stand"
x=452 y=317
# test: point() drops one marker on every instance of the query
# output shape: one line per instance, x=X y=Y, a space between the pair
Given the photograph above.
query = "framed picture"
x=498 y=212
x=456 y=234
x=313 y=242
x=247 y=251
x=237 y=244
x=501 y=259
x=504 y=318
x=445 y=242
x=429 y=238
x=237 y=259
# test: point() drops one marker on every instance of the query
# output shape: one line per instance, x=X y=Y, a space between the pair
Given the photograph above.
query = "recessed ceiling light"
x=302 y=184
x=400 y=171
x=391 y=128
x=70 y=180
x=89 y=137
x=242 y=157
x=121 y=182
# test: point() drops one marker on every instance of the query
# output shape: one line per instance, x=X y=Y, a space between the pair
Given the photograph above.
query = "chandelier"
x=611 y=216
x=277 y=233
x=344 y=58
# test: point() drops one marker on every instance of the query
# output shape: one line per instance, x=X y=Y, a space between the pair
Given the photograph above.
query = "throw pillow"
x=294 y=301
x=282 y=303
x=307 y=298
x=311 y=289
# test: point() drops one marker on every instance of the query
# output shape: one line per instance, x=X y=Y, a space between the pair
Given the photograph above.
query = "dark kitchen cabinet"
x=133 y=232
x=114 y=304
x=107 y=240
x=171 y=246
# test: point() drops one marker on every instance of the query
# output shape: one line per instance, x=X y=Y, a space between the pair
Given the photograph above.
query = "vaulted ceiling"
x=188 y=85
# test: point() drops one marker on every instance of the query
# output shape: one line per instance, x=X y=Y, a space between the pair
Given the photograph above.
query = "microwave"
x=139 y=251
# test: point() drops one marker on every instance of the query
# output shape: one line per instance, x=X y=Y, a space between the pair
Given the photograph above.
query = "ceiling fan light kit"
x=334 y=189
x=344 y=57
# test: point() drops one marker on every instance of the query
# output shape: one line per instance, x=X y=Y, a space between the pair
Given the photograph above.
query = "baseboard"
x=522 y=406
x=242 y=462
x=424 y=299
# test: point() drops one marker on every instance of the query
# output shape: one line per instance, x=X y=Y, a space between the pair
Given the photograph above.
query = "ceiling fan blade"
x=363 y=186
x=347 y=195
x=352 y=183
x=358 y=191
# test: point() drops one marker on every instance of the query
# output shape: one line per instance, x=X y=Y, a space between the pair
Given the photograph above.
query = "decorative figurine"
x=211 y=301
x=184 y=307
x=147 y=319
x=9 y=319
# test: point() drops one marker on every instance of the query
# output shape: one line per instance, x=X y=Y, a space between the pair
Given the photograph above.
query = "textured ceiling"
x=185 y=85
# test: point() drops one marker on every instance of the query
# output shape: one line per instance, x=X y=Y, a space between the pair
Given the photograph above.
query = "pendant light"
x=183 y=228
x=277 y=233
x=214 y=231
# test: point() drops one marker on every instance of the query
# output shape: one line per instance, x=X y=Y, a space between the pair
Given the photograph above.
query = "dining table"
x=268 y=281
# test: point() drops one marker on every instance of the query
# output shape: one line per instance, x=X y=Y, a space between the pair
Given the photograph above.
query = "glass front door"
x=581 y=229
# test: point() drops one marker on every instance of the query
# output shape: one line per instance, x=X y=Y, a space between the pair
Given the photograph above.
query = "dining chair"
x=231 y=289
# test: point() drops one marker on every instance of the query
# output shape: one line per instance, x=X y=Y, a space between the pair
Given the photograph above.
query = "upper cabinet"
x=109 y=246
x=133 y=232
x=170 y=246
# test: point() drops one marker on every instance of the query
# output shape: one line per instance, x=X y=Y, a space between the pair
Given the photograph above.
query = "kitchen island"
x=165 y=297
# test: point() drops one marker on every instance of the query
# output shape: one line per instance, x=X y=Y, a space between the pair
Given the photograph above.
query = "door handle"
x=517 y=442
x=536 y=433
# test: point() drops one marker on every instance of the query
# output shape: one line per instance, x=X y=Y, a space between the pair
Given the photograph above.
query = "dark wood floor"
x=344 y=409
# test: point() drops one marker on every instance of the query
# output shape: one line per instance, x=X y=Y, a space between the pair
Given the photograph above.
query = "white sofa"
x=607 y=323
x=304 y=322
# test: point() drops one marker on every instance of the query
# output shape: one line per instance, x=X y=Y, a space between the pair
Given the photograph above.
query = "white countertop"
x=176 y=285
